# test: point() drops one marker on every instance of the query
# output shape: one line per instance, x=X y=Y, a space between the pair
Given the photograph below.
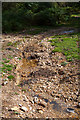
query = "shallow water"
x=24 y=69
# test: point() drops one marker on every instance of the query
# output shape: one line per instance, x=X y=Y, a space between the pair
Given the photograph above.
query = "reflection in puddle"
x=28 y=64
x=67 y=32
x=24 y=68
x=46 y=100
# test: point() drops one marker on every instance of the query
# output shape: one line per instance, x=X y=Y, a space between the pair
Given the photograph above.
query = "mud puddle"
x=25 y=68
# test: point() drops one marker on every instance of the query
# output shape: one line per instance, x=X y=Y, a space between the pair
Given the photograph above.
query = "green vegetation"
x=4 y=59
x=19 y=85
x=19 y=16
x=10 y=57
x=6 y=67
x=0 y=86
x=19 y=58
x=16 y=93
x=14 y=44
x=9 y=44
x=67 y=44
x=15 y=112
x=10 y=77
x=24 y=90
x=75 y=15
x=64 y=63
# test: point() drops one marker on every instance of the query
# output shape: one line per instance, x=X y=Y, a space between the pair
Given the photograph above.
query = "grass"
x=19 y=58
x=10 y=57
x=16 y=93
x=75 y=15
x=14 y=43
x=10 y=77
x=66 y=44
x=0 y=86
x=64 y=63
x=24 y=90
x=6 y=67
x=9 y=43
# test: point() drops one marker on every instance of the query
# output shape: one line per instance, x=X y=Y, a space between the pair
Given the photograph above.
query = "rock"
x=30 y=107
x=14 y=108
x=24 y=109
x=40 y=111
x=79 y=104
x=61 y=72
x=35 y=99
x=25 y=98
x=79 y=99
x=16 y=57
x=70 y=110
x=20 y=105
x=4 y=73
x=6 y=82
x=42 y=103
x=33 y=110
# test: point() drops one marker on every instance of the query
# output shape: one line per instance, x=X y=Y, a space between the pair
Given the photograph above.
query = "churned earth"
x=34 y=82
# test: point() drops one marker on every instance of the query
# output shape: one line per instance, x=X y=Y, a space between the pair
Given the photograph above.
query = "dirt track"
x=41 y=83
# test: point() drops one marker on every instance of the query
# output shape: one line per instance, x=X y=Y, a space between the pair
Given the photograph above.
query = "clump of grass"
x=66 y=44
x=19 y=58
x=4 y=59
x=15 y=112
x=6 y=67
x=16 y=93
x=14 y=43
x=10 y=57
x=0 y=86
x=19 y=85
x=24 y=90
x=9 y=44
x=64 y=63
x=10 y=77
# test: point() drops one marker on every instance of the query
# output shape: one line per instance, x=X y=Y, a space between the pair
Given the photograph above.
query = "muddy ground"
x=41 y=87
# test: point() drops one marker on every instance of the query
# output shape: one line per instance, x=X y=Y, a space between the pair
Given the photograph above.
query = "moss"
x=24 y=90
x=67 y=44
x=64 y=63
x=10 y=77
x=9 y=43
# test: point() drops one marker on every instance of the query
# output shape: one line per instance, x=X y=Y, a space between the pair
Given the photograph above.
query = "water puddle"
x=67 y=32
x=56 y=105
x=46 y=100
x=24 y=69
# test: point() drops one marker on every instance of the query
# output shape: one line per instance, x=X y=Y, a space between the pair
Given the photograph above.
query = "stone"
x=40 y=111
x=20 y=105
x=79 y=99
x=24 y=109
x=14 y=108
x=70 y=110
x=42 y=103
x=25 y=98
x=6 y=82
x=61 y=72
x=35 y=99
x=79 y=104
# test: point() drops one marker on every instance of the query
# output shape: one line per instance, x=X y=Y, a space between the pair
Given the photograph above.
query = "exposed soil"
x=41 y=83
